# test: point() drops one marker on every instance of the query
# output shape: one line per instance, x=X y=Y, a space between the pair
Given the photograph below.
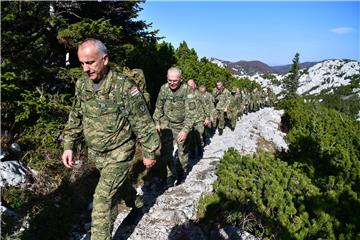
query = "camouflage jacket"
x=201 y=107
x=176 y=107
x=222 y=99
x=209 y=103
x=111 y=116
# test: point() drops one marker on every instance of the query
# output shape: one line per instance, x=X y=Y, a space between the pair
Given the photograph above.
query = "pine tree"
x=291 y=82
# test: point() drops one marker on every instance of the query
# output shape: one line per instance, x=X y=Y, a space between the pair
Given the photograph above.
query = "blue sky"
x=271 y=32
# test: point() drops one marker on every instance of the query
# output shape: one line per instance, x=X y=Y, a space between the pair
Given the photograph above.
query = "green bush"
x=342 y=98
x=311 y=191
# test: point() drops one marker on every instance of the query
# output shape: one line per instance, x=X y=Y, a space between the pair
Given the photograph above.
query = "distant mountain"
x=253 y=67
x=283 y=69
x=323 y=76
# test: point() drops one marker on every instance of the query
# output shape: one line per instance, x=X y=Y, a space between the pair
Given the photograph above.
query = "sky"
x=271 y=32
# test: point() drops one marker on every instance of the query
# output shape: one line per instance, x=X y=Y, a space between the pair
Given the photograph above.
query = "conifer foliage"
x=291 y=82
x=311 y=191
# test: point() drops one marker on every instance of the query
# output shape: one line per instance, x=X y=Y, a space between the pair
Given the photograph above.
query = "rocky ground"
x=171 y=215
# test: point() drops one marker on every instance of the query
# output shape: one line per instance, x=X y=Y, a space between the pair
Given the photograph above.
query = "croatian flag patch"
x=133 y=91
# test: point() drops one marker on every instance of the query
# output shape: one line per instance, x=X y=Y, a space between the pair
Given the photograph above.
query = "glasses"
x=173 y=81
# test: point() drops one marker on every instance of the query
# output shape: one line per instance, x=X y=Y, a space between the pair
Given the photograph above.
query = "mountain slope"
x=326 y=75
x=256 y=67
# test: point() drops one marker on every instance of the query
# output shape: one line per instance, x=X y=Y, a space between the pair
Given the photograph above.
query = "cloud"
x=342 y=30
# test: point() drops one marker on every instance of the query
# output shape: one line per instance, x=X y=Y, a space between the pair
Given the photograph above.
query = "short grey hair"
x=100 y=46
x=175 y=70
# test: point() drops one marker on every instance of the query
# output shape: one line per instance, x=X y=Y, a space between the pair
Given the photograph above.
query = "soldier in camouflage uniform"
x=222 y=99
x=270 y=97
x=200 y=122
x=210 y=112
x=175 y=115
x=239 y=102
x=245 y=100
x=108 y=110
x=254 y=100
x=234 y=107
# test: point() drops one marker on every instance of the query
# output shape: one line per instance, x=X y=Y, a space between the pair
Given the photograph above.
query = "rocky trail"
x=169 y=215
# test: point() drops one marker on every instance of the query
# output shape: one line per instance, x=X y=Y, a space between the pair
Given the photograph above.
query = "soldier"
x=233 y=109
x=270 y=98
x=174 y=116
x=254 y=100
x=222 y=99
x=108 y=110
x=210 y=112
x=245 y=100
x=239 y=102
x=200 y=122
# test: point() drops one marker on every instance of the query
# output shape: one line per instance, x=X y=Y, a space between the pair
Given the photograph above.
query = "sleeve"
x=141 y=122
x=73 y=128
x=159 y=107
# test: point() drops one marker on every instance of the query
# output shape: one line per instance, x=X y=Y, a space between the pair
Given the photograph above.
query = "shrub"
x=311 y=191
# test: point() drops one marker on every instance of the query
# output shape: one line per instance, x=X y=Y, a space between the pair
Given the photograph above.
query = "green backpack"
x=137 y=75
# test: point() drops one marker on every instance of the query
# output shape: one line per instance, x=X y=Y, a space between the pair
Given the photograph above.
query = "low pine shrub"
x=310 y=192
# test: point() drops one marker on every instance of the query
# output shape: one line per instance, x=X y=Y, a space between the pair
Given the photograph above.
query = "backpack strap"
x=119 y=84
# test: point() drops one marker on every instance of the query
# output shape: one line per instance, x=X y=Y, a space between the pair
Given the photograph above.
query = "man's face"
x=202 y=90
x=219 y=86
x=93 y=63
x=174 y=80
x=192 y=84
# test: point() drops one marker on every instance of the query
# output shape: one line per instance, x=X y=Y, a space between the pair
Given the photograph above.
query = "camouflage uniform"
x=270 y=98
x=254 y=100
x=175 y=111
x=233 y=110
x=210 y=112
x=222 y=100
x=109 y=118
x=198 y=129
x=245 y=97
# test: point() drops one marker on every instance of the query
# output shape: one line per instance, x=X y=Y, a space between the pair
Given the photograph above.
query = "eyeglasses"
x=173 y=81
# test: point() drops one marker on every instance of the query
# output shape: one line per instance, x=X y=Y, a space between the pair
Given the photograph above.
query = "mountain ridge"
x=244 y=67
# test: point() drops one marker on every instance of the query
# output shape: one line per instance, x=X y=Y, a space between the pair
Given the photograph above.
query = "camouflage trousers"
x=175 y=166
x=196 y=140
x=232 y=115
x=114 y=168
x=221 y=119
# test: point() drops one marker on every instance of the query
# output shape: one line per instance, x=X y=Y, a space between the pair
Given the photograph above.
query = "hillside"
x=327 y=75
x=256 y=67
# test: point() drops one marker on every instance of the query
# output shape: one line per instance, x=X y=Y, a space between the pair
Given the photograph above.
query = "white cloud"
x=342 y=30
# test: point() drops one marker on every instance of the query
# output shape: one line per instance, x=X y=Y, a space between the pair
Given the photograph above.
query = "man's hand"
x=158 y=128
x=225 y=110
x=181 y=136
x=148 y=163
x=67 y=158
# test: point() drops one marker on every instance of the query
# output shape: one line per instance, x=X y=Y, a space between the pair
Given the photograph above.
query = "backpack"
x=138 y=76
